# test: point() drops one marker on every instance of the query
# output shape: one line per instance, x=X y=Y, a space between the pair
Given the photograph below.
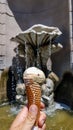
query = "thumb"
x=31 y=118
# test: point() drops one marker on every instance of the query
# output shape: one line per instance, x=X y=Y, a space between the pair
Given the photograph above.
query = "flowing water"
x=61 y=119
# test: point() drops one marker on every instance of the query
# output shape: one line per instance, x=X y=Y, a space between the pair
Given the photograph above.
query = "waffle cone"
x=33 y=92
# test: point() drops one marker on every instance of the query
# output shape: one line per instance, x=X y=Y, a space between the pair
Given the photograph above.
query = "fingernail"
x=33 y=109
x=42 y=122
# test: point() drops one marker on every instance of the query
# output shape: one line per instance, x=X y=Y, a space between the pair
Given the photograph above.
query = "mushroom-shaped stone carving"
x=37 y=35
x=37 y=39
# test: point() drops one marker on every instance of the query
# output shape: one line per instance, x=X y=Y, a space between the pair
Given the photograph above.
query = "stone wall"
x=8 y=28
x=3 y=85
x=19 y=15
x=71 y=30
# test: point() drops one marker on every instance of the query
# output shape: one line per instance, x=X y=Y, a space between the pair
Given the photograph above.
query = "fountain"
x=38 y=65
x=39 y=45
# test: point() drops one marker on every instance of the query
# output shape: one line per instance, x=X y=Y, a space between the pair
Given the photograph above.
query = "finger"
x=31 y=118
x=44 y=127
x=20 y=117
x=42 y=119
x=42 y=105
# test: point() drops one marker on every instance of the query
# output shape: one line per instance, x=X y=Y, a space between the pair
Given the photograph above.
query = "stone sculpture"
x=36 y=45
x=46 y=84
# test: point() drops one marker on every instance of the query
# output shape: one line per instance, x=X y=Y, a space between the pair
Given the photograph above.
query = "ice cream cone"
x=33 y=92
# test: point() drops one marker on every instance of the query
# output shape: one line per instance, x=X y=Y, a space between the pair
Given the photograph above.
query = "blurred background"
x=17 y=16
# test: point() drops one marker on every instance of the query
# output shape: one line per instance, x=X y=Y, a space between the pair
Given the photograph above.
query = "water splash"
x=50 y=111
